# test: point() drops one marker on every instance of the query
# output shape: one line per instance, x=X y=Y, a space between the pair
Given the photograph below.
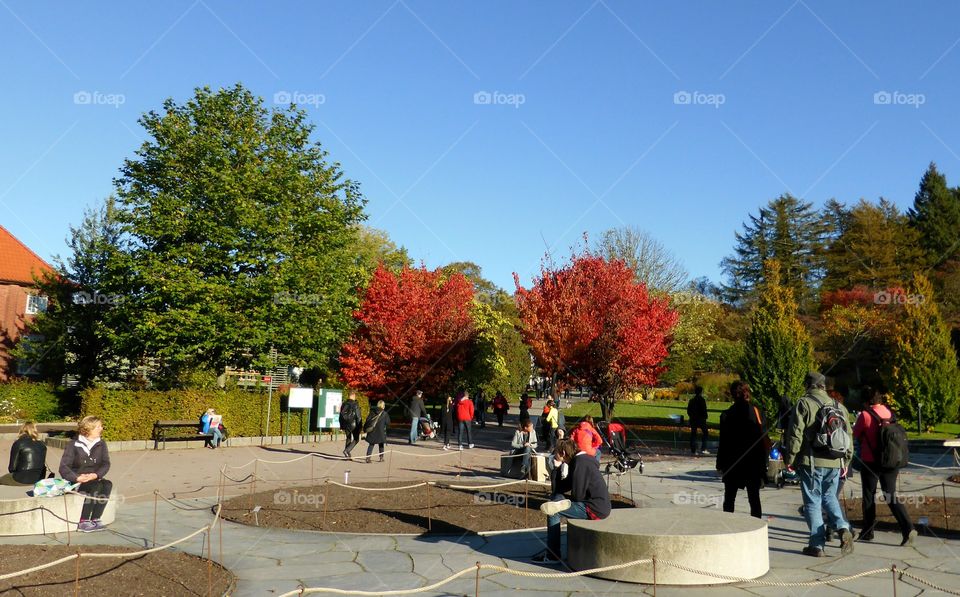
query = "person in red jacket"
x=587 y=437
x=500 y=407
x=867 y=431
x=465 y=416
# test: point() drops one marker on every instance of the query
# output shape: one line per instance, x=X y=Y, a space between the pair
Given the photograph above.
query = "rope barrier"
x=496 y=485
x=381 y=488
x=928 y=583
x=334 y=457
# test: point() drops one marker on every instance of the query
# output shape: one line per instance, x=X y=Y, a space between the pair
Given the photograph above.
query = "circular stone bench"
x=21 y=514
x=707 y=540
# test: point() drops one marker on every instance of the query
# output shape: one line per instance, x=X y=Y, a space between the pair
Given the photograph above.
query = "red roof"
x=17 y=262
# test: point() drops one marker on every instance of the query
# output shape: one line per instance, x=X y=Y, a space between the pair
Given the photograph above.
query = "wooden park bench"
x=161 y=429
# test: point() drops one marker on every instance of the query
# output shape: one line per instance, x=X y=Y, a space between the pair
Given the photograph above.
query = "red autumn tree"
x=414 y=329
x=590 y=323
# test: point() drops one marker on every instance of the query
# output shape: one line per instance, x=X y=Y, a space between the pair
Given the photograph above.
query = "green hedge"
x=130 y=414
x=22 y=399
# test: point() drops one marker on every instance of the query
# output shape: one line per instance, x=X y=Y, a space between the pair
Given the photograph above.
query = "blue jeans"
x=577 y=511
x=217 y=437
x=413 y=429
x=464 y=430
x=818 y=486
x=525 y=461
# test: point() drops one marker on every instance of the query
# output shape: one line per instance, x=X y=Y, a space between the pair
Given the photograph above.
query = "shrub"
x=130 y=414
x=716 y=386
x=22 y=399
x=683 y=388
x=665 y=394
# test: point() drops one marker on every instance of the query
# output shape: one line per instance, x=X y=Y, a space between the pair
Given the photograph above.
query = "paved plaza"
x=272 y=561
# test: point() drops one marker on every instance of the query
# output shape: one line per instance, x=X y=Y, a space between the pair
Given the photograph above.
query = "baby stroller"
x=426 y=430
x=623 y=459
x=778 y=472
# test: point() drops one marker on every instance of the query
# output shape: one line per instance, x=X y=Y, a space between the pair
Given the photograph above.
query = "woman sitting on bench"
x=211 y=426
x=86 y=461
x=28 y=457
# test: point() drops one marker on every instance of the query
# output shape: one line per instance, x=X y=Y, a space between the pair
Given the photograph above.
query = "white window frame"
x=36 y=303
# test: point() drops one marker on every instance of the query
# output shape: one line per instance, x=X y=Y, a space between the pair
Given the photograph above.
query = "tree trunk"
x=606 y=407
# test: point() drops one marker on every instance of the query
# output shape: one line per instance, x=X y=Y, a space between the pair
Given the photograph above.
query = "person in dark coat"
x=448 y=418
x=500 y=407
x=480 y=409
x=416 y=410
x=697 y=415
x=525 y=403
x=742 y=452
x=86 y=461
x=28 y=457
x=376 y=428
x=351 y=422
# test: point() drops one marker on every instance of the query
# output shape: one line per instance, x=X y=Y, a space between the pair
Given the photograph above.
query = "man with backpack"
x=883 y=451
x=351 y=422
x=818 y=442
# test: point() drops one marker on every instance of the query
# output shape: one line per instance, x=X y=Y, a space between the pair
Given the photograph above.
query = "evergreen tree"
x=778 y=352
x=876 y=248
x=936 y=216
x=923 y=375
x=788 y=231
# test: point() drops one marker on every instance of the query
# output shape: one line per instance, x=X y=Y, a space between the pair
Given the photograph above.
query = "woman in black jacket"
x=28 y=458
x=742 y=452
x=447 y=417
x=86 y=461
x=376 y=428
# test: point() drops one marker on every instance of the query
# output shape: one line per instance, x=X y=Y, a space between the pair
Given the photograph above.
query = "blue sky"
x=680 y=118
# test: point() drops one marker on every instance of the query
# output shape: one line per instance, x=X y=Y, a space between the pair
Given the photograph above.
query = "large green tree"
x=787 y=230
x=936 y=216
x=876 y=248
x=238 y=230
x=778 y=351
x=922 y=373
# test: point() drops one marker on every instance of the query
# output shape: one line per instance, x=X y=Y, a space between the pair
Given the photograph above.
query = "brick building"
x=19 y=299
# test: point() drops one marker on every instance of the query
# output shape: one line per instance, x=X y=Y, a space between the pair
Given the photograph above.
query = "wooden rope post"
x=460 y=465
x=429 y=508
x=893 y=572
x=654 y=576
x=325 y=509
x=477 y=590
x=156 y=497
x=389 y=464
x=253 y=486
x=526 y=500
x=312 y=462
x=76 y=585
x=946 y=519
x=66 y=514
x=220 y=532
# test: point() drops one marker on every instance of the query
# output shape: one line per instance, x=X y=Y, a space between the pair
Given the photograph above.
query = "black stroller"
x=624 y=460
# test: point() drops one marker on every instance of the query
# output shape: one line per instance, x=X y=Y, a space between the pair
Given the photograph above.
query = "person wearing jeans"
x=819 y=473
x=589 y=498
x=465 y=416
x=524 y=439
x=416 y=411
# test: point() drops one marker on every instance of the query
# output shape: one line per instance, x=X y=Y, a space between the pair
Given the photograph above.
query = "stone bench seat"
x=722 y=543
x=21 y=514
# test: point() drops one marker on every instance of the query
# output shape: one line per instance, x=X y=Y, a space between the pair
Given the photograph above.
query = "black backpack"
x=348 y=415
x=893 y=451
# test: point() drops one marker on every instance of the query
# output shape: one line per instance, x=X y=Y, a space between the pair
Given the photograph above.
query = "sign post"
x=298 y=398
x=267 y=379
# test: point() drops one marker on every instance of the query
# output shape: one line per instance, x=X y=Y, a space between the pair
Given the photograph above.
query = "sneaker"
x=812 y=551
x=866 y=536
x=446 y=447
x=460 y=448
x=470 y=446
x=98 y=526
x=908 y=538
x=551 y=508
x=704 y=452
x=846 y=542
x=545 y=557
x=524 y=473
x=86 y=526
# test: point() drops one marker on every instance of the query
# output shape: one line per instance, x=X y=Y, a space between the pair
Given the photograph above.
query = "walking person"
x=351 y=422
x=480 y=409
x=549 y=423
x=447 y=418
x=742 y=451
x=465 y=416
x=697 y=415
x=376 y=428
x=867 y=430
x=525 y=403
x=28 y=458
x=524 y=440
x=416 y=410
x=500 y=407
x=86 y=461
x=818 y=442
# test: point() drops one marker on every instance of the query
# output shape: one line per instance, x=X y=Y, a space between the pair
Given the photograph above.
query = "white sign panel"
x=301 y=398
